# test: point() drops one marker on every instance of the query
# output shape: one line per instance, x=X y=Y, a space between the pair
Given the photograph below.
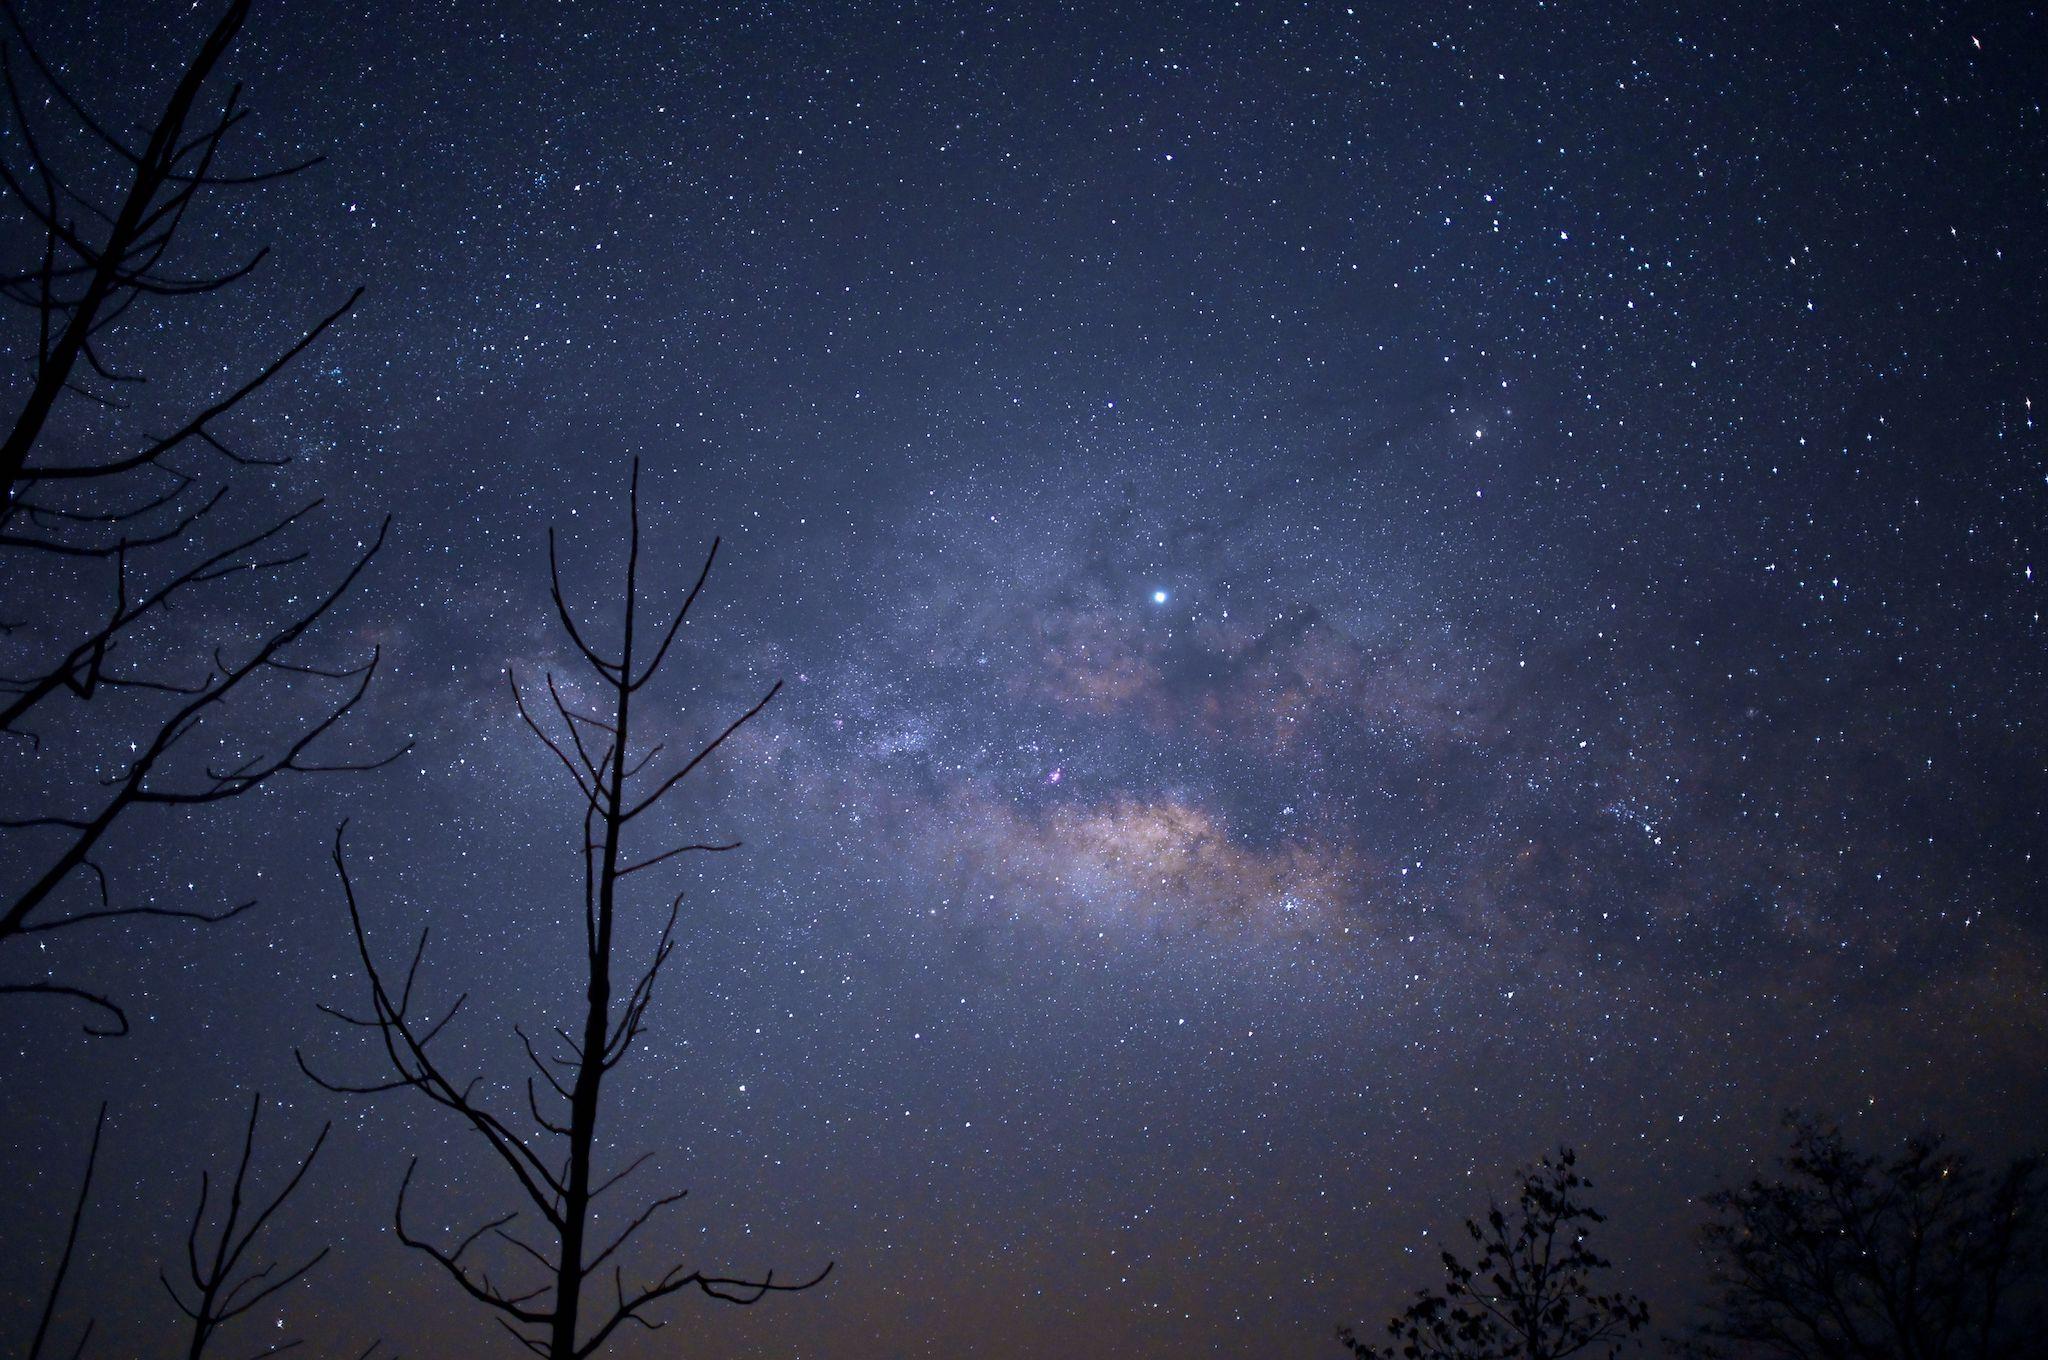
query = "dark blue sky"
x=1363 y=590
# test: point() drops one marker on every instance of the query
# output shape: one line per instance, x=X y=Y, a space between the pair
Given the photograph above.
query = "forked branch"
x=221 y=1285
x=547 y=1310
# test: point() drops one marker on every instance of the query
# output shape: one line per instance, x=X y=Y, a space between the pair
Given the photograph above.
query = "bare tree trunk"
x=590 y=1071
x=560 y=1190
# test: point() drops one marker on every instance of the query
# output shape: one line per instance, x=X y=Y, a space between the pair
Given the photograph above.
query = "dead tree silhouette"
x=223 y=1285
x=96 y=498
x=559 y=1187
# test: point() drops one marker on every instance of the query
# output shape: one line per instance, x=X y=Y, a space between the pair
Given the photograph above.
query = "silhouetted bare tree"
x=1847 y=1256
x=618 y=787
x=141 y=523
x=223 y=1285
x=1530 y=1293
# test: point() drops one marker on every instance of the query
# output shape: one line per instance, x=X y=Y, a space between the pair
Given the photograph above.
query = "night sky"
x=1362 y=591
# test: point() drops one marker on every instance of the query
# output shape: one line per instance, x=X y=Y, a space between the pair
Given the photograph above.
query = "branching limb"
x=135 y=787
x=116 y=1019
x=703 y=755
x=477 y=1286
x=414 y=1067
x=222 y=1290
x=724 y=1288
x=81 y=670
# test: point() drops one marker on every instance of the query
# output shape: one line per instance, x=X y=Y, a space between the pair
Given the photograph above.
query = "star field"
x=1362 y=591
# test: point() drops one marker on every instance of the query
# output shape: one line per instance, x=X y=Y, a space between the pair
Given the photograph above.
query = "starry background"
x=1363 y=590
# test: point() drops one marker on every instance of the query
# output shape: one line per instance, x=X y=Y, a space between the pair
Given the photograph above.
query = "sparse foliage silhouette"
x=103 y=495
x=1530 y=1294
x=1848 y=1255
x=549 y=1152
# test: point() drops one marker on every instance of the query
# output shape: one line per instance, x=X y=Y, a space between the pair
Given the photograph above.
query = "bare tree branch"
x=115 y=1015
x=553 y=1318
x=135 y=786
x=222 y=1289
x=127 y=517
x=42 y=1334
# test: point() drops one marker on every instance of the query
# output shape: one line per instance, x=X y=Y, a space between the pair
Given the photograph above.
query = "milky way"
x=1360 y=594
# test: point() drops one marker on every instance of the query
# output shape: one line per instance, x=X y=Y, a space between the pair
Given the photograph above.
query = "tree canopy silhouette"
x=1849 y=1255
x=1530 y=1294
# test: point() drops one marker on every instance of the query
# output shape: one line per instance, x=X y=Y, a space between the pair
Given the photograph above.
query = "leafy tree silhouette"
x=1529 y=1295
x=1847 y=1256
